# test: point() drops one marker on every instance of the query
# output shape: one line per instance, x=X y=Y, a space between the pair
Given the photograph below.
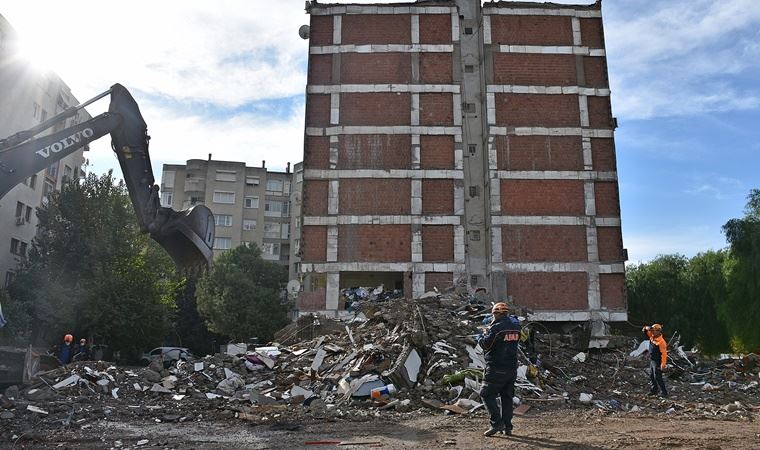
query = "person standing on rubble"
x=66 y=351
x=500 y=347
x=658 y=351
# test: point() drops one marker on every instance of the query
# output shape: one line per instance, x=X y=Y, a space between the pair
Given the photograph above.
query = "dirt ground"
x=561 y=429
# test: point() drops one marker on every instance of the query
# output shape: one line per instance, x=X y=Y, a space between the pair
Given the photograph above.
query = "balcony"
x=195 y=185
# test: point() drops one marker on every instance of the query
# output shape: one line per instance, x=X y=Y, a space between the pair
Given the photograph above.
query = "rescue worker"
x=82 y=351
x=500 y=347
x=66 y=352
x=658 y=351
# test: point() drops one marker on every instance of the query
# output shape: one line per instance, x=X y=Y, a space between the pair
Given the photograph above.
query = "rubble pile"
x=390 y=356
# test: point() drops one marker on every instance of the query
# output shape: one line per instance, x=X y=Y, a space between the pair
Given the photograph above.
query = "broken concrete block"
x=228 y=386
x=160 y=389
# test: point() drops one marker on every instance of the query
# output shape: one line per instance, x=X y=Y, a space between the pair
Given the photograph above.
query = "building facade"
x=250 y=204
x=28 y=97
x=453 y=142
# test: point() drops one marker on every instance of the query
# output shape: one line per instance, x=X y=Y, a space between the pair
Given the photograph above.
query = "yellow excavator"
x=187 y=235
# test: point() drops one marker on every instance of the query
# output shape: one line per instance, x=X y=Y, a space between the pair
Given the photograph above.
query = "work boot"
x=493 y=430
x=653 y=393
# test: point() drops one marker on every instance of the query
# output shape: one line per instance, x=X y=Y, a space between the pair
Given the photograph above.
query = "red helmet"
x=68 y=338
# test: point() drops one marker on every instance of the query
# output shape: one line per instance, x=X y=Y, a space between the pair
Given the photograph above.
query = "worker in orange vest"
x=658 y=351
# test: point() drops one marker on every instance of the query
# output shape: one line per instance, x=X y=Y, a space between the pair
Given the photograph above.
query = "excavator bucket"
x=188 y=237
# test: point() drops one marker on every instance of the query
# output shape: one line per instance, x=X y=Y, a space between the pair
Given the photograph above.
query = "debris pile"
x=392 y=356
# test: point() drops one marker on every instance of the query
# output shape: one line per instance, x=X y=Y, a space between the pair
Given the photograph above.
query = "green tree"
x=92 y=272
x=656 y=289
x=707 y=288
x=240 y=297
x=741 y=308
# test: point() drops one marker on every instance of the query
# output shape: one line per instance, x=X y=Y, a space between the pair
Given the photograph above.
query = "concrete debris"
x=425 y=348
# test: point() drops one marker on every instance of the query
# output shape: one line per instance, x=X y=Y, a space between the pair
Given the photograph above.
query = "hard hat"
x=68 y=338
x=500 y=308
x=657 y=327
x=83 y=341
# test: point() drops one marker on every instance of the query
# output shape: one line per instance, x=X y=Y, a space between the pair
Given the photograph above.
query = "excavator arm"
x=188 y=235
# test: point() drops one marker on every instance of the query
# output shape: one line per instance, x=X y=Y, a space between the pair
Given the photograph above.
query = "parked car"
x=167 y=354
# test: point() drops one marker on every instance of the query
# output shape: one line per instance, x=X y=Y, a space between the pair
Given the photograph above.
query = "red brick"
x=436 y=68
x=607 y=199
x=321 y=30
x=374 y=151
x=610 y=244
x=591 y=33
x=316 y=154
x=317 y=110
x=379 y=109
x=438 y=243
x=440 y=280
x=376 y=29
x=612 y=287
x=436 y=109
x=603 y=154
x=315 y=194
x=542 y=198
x=539 y=153
x=549 y=291
x=374 y=196
x=534 y=69
x=595 y=72
x=314 y=243
x=320 y=69
x=375 y=68
x=374 y=243
x=599 y=112
x=313 y=301
x=437 y=197
x=436 y=152
x=531 y=30
x=543 y=243
x=537 y=110
x=435 y=28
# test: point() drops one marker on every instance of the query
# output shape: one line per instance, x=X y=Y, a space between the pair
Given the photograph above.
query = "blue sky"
x=228 y=77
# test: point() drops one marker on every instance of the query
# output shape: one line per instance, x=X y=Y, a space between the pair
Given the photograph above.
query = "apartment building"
x=296 y=203
x=250 y=204
x=453 y=142
x=28 y=97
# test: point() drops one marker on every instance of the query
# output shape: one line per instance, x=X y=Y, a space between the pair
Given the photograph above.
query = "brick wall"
x=436 y=109
x=610 y=241
x=437 y=243
x=321 y=30
x=374 y=243
x=595 y=72
x=612 y=289
x=379 y=109
x=539 y=153
x=437 y=197
x=549 y=291
x=314 y=243
x=437 y=152
x=320 y=69
x=603 y=154
x=360 y=196
x=534 y=69
x=537 y=110
x=607 y=200
x=542 y=197
x=591 y=32
x=316 y=154
x=435 y=28
x=599 y=112
x=374 y=151
x=375 y=68
x=376 y=29
x=315 y=194
x=531 y=30
x=543 y=243
x=440 y=280
x=317 y=110
x=436 y=68
x=312 y=301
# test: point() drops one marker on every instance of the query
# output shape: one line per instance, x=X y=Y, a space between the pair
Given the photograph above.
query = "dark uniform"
x=500 y=347
x=658 y=351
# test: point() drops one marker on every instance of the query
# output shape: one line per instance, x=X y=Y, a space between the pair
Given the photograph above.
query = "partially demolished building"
x=453 y=142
